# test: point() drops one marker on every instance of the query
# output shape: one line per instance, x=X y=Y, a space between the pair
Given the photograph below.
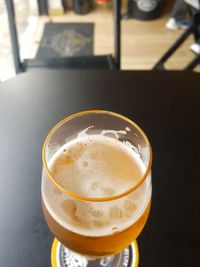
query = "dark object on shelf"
x=82 y=7
x=144 y=9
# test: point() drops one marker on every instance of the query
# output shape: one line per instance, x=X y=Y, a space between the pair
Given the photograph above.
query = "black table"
x=165 y=104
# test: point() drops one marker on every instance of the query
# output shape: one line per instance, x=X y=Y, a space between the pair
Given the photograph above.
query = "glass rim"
x=89 y=199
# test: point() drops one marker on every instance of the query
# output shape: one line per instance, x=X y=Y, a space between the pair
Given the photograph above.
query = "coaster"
x=63 y=257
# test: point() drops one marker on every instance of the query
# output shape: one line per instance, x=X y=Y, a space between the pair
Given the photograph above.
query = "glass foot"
x=63 y=257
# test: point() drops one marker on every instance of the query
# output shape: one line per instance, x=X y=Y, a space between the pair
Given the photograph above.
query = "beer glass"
x=96 y=185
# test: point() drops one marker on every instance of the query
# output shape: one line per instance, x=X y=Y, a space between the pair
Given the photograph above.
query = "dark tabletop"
x=165 y=104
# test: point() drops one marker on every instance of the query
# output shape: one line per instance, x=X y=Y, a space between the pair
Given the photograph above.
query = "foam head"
x=96 y=166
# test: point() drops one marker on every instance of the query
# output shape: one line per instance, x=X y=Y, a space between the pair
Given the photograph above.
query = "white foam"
x=96 y=166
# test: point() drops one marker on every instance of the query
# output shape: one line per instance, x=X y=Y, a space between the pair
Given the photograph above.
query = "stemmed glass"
x=96 y=212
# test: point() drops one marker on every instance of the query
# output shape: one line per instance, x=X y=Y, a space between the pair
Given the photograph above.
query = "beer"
x=96 y=167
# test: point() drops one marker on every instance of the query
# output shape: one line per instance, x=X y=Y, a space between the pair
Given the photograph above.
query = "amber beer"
x=96 y=168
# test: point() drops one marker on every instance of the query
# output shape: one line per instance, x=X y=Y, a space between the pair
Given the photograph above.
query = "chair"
x=82 y=62
x=194 y=29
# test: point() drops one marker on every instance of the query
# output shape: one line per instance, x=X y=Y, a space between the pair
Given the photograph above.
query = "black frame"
x=117 y=32
x=194 y=30
x=13 y=35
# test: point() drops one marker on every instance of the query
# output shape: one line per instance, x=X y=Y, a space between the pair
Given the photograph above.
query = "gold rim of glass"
x=79 y=197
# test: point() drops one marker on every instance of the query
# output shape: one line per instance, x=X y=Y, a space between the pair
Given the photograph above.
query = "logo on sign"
x=147 y=5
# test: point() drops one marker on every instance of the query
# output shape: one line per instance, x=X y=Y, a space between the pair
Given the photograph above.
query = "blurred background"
x=85 y=27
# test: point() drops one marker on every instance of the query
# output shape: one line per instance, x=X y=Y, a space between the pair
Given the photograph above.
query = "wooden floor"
x=142 y=42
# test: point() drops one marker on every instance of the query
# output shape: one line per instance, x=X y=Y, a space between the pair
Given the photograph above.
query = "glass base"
x=63 y=257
